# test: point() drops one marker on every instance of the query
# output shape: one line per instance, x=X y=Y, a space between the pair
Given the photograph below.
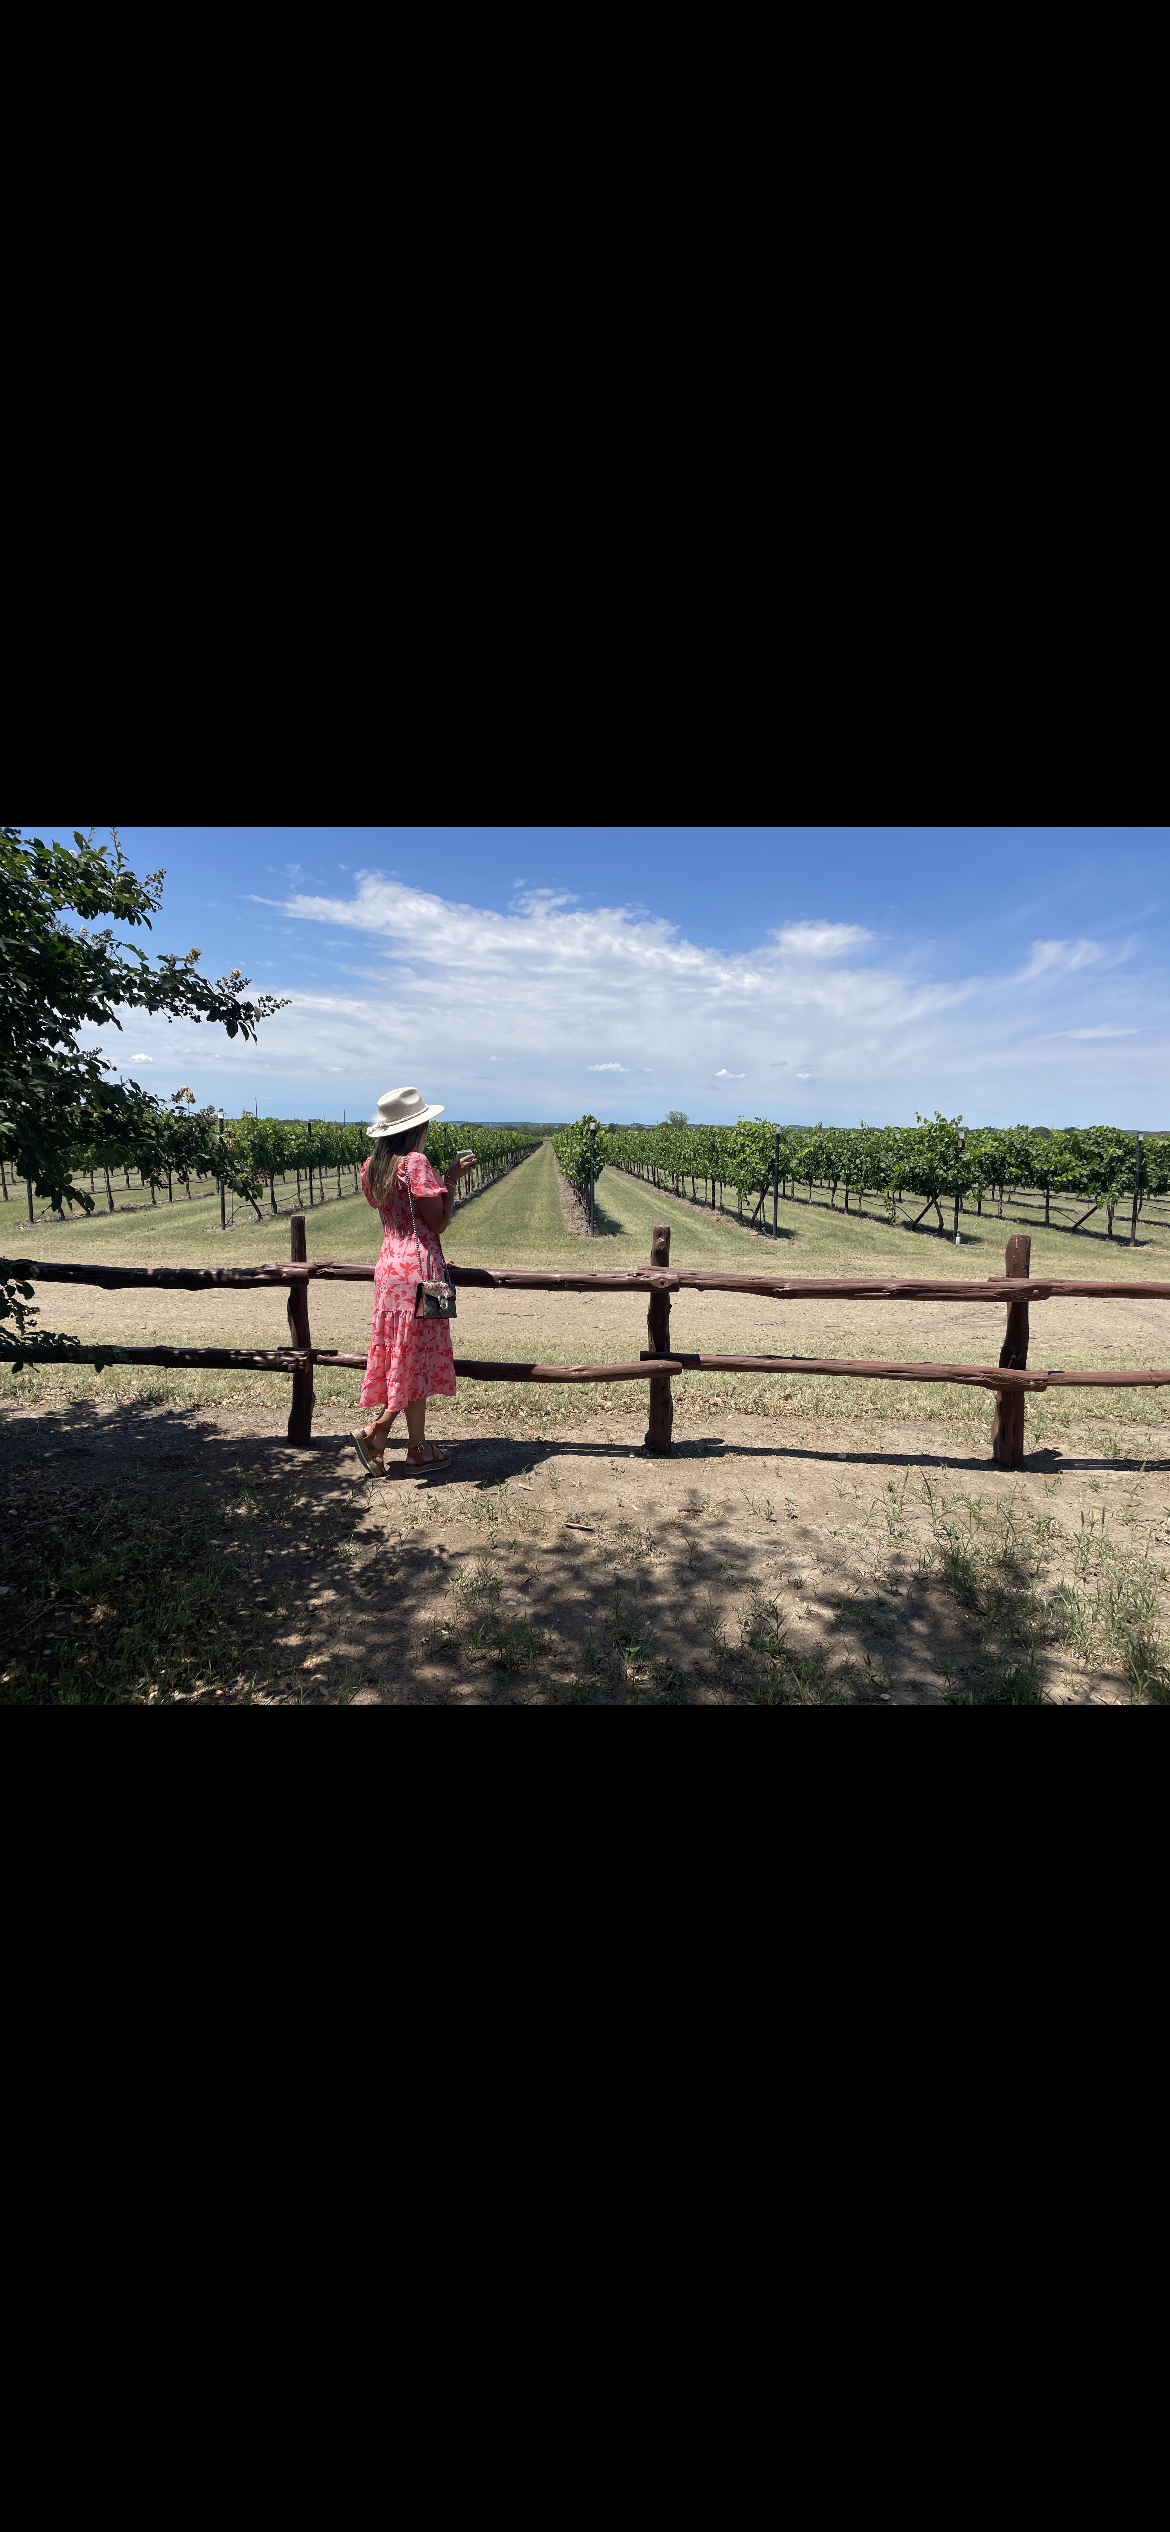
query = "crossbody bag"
x=432 y=1299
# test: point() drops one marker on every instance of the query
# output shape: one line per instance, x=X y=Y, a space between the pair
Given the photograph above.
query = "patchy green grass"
x=995 y=1555
x=144 y=1598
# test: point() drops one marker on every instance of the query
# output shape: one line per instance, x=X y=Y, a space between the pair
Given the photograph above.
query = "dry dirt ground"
x=812 y=1542
x=151 y=1554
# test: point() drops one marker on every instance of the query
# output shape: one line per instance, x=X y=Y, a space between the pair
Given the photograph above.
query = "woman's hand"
x=459 y=1168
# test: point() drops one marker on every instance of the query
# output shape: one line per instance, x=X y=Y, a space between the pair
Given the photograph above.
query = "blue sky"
x=799 y=973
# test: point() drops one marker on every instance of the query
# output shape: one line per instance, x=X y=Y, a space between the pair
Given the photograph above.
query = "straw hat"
x=398 y=1110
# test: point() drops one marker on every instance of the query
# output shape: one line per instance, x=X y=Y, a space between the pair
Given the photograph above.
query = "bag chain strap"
x=414 y=1226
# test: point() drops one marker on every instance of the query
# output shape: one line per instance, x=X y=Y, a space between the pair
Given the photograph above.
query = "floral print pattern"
x=408 y=1358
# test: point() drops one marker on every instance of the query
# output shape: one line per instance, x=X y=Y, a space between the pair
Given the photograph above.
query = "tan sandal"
x=365 y=1453
x=432 y=1457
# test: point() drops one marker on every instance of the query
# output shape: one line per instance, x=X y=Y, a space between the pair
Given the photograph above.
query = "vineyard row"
x=260 y=1152
x=936 y=1161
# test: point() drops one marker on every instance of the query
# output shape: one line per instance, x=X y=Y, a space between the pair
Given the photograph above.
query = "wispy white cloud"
x=541 y=982
x=542 y=900
x=821 y=940
x=1065 y=955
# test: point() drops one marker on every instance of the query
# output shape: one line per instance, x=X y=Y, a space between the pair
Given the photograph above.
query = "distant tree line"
x=938 y=1161
x=175 y=1144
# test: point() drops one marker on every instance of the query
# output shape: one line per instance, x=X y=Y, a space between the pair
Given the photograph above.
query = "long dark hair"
x=382 y=1165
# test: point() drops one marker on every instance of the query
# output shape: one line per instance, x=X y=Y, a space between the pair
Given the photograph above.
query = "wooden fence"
x=1010 y=1378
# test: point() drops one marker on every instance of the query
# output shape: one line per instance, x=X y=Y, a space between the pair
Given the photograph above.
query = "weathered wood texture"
x=1007 y=1430
x=191 y=1357
x=966 y=1375
x=293 y=1359
x=300 y=1414
x=660 y=1422
x=47 y=1270
x=658 y=1371
x=183 y=1278
x=1000 y=1288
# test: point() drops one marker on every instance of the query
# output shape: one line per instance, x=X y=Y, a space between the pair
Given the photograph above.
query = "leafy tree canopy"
x=58 y=1098
x=58 y=977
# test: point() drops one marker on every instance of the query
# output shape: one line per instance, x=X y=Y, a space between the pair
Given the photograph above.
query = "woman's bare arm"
x=436 y=1211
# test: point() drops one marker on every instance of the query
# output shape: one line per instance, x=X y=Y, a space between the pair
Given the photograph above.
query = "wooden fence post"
x=300 y=1420
x=658 y=1431
x=1007 y=1431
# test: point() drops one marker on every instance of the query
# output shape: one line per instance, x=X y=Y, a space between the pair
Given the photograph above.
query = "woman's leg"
x=378 y=1433
x=419 y=1452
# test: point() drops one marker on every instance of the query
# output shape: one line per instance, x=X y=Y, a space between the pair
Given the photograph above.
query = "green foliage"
x=582 y=1150
x=259 y=1150
x=751 y=1152
x=934 y=1159
x=495 y=1146
x=60 y=1108
x=15 y=1300
x=57 y=978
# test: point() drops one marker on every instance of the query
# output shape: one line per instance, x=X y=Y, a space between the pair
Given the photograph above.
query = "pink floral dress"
x=408 y=1357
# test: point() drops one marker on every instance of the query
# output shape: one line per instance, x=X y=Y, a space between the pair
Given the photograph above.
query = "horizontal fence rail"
x=292 y=1358
x=631 y=1279
x=1010 y=1378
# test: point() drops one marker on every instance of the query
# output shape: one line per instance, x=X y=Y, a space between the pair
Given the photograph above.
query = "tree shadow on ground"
x=151 y=1557
x=605 y=1224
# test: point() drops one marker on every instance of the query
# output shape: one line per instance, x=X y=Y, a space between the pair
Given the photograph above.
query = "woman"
x=410 y=1359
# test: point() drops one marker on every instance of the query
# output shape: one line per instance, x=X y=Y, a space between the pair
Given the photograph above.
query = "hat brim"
x=405 y=1125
